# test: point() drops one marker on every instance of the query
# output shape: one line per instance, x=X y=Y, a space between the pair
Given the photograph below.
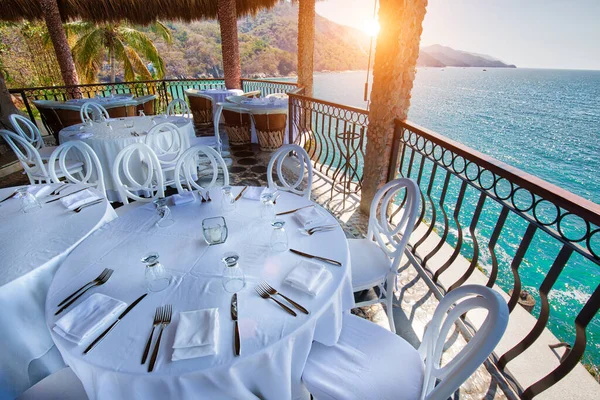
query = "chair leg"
x=389 y=297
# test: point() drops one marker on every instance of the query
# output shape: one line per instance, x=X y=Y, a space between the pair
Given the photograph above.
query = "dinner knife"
x=327 y=260
x=110 y=328
x=241 y=193
x=58 y=198
x=9 y=197
x=294 y=210
x=236 y=329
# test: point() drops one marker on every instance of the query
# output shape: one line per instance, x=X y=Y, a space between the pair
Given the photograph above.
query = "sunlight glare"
x=371 y=27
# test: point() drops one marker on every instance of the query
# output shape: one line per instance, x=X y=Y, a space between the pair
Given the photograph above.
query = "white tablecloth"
x=108 y=145
x=218 y=95
x=274 y=344
x=104 y=101
x=32 y=247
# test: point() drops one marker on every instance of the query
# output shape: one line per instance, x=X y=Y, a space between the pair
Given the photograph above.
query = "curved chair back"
x=149 y=179
x=278 y=158
x=393 y=237
x=91 y=164
x=457 y=370
x=282 y=96
x=27 y=129
x=177 y=107
x=270 y=127
x=252 y=94
x=201 y=106
x=237 y=123
x=167 y=142
x=28 y=156
x=195 y=161
x=91 y=111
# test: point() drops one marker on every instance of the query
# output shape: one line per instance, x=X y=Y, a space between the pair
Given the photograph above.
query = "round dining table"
x=107 y=143
x=274 y=344
x=263 y=105
x=104 y=101
x=33 y=246
x=218 y=95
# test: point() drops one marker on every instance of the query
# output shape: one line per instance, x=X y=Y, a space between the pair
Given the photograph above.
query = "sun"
x=371 y=27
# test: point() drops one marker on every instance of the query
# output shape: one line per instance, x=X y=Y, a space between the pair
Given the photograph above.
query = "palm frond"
x=121 y=55
x=143 y=45
x=88 y=53
x=138 y=64
x=163 y=31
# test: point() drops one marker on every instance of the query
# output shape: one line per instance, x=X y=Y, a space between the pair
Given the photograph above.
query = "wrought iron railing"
x=521 y=231
x=334 y=136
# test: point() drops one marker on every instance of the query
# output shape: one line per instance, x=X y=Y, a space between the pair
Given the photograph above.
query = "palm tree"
x=227 y=16
x=118 y=42
x=306 y=45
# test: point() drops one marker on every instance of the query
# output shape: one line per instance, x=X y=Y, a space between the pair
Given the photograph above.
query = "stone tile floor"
x=415 y=303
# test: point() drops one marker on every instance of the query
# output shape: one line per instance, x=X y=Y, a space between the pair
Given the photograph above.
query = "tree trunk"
x=394 y=71
x=232 y=69
x=306 y=45
x=7 y=107
x=60 y=43
x=111 y=51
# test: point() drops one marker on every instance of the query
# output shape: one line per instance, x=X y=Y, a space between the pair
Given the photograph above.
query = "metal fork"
x=91 y=203
x=100 y=283
x=202 y=196
x=262 y=293
x=316 y=229
x=208 y=195
x=272 y=291
x=166 y=320
x=158 y=317
x=98 y=279
x=56 y=191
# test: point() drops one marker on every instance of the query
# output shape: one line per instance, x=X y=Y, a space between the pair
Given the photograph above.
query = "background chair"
x=370 y=362
x=91 y=111
x=168 y=143
x=146 y=104
x=62 y=385
x=237 y=123
x=32 y=162
x=375 y=260
x=92 y=169
x=178 y=107
x=137 y=172
x=29 y=130
x=201 y=106
x=301 y=162
x=270 y=127
x=56 y=115
x=197 y=162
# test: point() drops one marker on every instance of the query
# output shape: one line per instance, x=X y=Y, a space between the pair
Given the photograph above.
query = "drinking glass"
x=267 y=210
x=164 y=213
x=279 y=239
x=156 y=276
x=29 y=203
x=214 y=230
x=128 y=123
x=233 y=276
x=227 y=199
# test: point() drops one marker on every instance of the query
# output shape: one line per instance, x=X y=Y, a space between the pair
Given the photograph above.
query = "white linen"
x=184 y=198
x=274 y=345
x=40 y=191
x=87 y=317
x=309 y=277
x=253 y=192
x=309 y=217
x=108 y=144
x=197 y=334
x=26 y=270
x=79 y=199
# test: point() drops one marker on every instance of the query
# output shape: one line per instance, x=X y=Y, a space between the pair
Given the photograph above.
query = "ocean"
x=545 y=122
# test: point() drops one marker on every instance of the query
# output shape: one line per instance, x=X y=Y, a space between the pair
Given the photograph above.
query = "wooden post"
x=393 y=75
x=232 y=69
x=306 y=45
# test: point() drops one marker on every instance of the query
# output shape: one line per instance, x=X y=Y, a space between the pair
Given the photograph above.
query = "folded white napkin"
x=253 y=192
x=184 y=198
x=309 y=277
x=197 y=334
x=78 y=199
x=308 y=217
x=83 y=135
x=39 y=190
x=88 y=316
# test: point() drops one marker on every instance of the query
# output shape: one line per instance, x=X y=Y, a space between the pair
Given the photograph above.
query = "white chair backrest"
x=282 y=96
x=393 y=237
x=27 y=154
x=92 y=168
x=168 y=143
x=195 y=161
x=91 y=111
x=457 y=370
x=27 y=129
x=303 y=164
x=130 y=175
x=178 y=106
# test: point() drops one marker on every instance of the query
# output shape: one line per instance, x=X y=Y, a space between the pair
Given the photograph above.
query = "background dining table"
x=32 y=247
x=274 y=344
x=108 y=143
x=218 y=95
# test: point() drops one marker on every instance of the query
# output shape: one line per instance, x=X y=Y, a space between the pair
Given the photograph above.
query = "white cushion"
x=62 y=385
x=370 y=264
x=46 y=152
x=368 y=362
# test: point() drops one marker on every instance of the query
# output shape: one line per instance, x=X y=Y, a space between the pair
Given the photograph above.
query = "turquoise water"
x=545 y=122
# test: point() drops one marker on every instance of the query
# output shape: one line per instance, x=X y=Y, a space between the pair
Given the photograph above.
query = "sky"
x=562 y=34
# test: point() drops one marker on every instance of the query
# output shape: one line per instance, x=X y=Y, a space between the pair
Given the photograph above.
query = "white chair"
x=32 y=162
x=193 y=163
x=91 y=164
x=28 y=129
x=302 y=163
x=149 y=180
x=375 y=260
x=168 y=143
x=178 y=107
x=92 y=111
x=61 y=385
x=369 y=362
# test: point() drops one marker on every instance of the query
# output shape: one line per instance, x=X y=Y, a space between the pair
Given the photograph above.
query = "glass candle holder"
x=214 y=230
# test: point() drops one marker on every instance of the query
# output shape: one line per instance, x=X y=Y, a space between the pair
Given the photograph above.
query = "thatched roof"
x=135 y=11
